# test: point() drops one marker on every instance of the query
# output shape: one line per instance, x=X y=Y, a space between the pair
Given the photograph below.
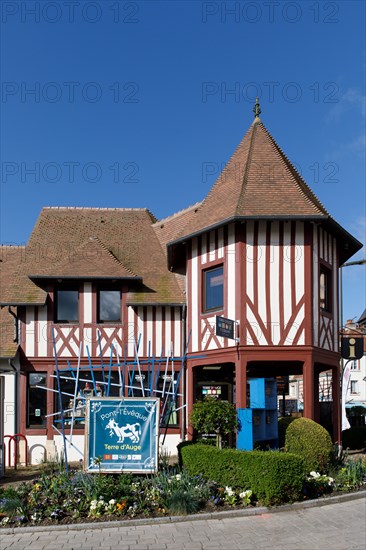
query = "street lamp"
x=356 y=262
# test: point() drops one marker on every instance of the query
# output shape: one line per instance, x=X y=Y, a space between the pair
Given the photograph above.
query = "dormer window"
x=109 y=306
x=67 y=306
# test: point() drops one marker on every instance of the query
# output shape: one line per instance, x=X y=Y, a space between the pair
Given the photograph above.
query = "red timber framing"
x=269 y=362
x=159 y=327
x=273 y=282
x=269 y=279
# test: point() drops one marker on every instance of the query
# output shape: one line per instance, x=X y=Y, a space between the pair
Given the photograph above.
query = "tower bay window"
x=213 y=289
x=325 y=289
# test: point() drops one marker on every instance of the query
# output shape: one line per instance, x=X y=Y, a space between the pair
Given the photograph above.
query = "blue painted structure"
x=259 y=422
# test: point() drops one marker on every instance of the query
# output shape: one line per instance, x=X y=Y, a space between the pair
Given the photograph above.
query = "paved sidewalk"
x=337 y=526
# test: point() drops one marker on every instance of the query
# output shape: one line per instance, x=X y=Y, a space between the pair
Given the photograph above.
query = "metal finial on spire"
x=257 y=108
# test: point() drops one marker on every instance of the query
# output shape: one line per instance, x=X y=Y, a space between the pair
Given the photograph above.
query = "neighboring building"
x=356 y=392
x=260 y=249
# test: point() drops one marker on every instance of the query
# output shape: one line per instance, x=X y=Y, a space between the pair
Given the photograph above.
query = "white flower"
x=229 y=491
x=112 y=502
x=314 y=474
x=245 y=494
x=93 y=505
x=178 y=477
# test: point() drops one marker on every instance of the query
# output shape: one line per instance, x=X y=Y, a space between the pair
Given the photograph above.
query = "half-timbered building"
x=260 y=250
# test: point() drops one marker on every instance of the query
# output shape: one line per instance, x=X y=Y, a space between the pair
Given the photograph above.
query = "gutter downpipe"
x=16 y=371
x=184 y=335
x=16 y=394
x=16 y=326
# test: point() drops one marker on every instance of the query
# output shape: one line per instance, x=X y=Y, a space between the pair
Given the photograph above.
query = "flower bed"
x=58 y=497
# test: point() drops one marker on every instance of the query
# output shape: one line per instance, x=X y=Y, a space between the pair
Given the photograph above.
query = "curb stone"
x=245 y=512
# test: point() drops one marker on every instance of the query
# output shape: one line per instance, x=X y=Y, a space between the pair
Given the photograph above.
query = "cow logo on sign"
x=129 y=431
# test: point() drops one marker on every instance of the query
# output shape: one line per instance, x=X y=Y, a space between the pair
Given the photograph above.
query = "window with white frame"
x=355 y=365
x=354 y=386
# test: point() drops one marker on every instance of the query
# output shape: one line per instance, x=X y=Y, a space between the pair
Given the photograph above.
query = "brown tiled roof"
x=12 y=259
x=91 y=259
x=258 y=181
x=15 y=285
x=124 y=239
x=169 y=228
x=8 y=347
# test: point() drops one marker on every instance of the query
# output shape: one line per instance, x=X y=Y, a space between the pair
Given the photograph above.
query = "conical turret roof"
x=258 y=181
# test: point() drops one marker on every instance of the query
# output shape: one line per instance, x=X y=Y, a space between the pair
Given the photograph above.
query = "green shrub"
x=181 y=446
x=214 y=416
x=312 y=442
x=273 y=477
x=283 y=424
x=354 y=438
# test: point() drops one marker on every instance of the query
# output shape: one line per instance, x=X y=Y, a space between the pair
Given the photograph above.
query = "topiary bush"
x=273 y=477
x=283 y=424
x=312 y=442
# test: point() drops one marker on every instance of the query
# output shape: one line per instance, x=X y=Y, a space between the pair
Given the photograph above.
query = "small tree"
x=214 y=416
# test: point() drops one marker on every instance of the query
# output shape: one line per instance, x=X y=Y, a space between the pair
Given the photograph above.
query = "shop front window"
x=37 y=400
x=165 y=389
x=85 y=389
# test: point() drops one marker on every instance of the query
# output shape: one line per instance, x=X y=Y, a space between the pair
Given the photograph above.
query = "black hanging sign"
x=352 y=347
x=225 y=327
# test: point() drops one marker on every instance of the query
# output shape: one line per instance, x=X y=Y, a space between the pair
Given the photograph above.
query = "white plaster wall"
x=9 y=404
x=37 y=449
x=75 y=451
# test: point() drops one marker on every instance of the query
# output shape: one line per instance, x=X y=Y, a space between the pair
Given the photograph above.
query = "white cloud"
x=351 y=99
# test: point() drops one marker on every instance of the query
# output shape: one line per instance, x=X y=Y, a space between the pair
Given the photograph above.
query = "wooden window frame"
x=205 y=309
x=326 y=301
x=56 y=316
x=108 y=321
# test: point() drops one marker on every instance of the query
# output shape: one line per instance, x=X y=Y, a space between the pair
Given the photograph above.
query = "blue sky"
x=139 y=104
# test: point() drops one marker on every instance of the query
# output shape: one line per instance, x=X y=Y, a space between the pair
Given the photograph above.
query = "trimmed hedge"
x=283 y=424
x=273 y=477
x=312 y=442
x=354 y=438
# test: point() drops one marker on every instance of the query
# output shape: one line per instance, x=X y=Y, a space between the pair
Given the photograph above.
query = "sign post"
x=122 y=435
